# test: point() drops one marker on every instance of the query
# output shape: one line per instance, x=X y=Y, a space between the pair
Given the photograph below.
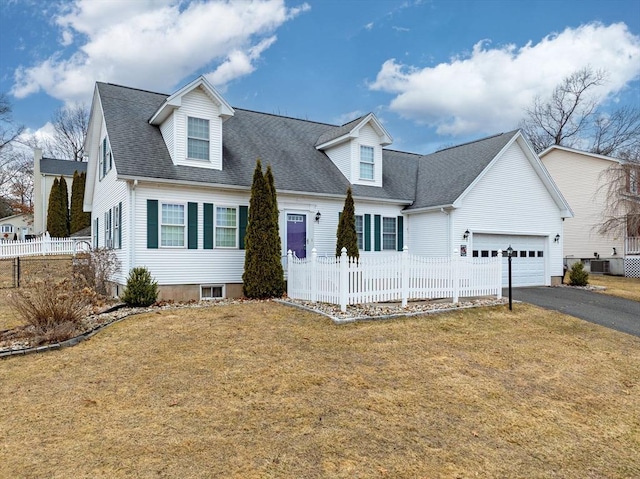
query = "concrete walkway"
x=615 y=313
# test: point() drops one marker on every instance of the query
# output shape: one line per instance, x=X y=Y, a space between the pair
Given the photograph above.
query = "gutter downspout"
x=132 y=226
x=449 y=232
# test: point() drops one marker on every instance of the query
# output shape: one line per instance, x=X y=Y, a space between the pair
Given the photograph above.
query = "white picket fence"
x=398 y=277
x=44 y=245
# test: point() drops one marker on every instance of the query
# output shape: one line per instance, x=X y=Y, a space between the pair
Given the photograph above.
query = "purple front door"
x=297 y=234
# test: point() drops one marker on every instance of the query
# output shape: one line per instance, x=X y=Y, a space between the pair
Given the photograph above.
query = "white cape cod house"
x=169 y=180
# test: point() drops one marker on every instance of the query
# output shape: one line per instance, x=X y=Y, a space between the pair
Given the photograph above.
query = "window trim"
x=212 y=298
x=395 y=233
x=634 y=181
x=191 y=137
x=360 y=234
x=215 y=225
x=108 y=232
x=372 y=162
x=2 y=228
x=116 y=227
x=161 y=224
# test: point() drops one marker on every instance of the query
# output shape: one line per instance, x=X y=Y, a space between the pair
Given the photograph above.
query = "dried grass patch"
x=620 y=286
x=262 y=390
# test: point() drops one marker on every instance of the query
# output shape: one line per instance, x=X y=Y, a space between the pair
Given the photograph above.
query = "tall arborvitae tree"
x=263 y=276
x=347 y=237
x=56 y=217
x=275 y=250
x=64 y=203
x=78 y=218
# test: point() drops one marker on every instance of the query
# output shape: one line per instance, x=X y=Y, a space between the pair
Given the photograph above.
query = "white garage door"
x=528 y=259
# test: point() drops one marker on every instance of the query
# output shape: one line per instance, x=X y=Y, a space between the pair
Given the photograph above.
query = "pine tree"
x=275 y=249
x=64 y=204
x=78 y=218
x=263 y=276
x=347 y=237
x=55 y=216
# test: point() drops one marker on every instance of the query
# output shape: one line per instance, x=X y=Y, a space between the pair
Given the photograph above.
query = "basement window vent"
x=211 y=292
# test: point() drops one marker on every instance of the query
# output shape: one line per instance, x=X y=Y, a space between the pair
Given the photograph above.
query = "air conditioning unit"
x=599 y=266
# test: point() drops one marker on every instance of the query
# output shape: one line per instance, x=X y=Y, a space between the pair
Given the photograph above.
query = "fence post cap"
x=343 y=250
x=313 y=251
x=405 y=249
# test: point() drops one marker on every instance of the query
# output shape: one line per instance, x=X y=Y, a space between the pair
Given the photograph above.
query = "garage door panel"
x=528 y=261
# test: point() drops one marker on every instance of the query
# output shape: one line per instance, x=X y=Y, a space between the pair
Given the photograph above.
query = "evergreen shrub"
x=141 y=289
x=577 y=275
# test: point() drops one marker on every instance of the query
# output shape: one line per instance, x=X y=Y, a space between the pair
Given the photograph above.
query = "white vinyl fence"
x=44 y=245
x=397 y=277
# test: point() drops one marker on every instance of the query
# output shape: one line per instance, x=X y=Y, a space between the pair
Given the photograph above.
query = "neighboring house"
x=582 y=179
x=16 y=226
x=45 y=170
x=169 y=181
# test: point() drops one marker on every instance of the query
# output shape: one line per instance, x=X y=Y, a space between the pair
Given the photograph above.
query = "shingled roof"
x=288 y=145
x=52 y=166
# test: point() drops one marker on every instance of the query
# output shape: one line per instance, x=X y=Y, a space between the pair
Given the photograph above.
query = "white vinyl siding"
x=340 y=155
x=428 y=234
x=172 y=225
x=581 y=180
x=367 y=137
x=520 y=206
x=195 y=105
x=367 y=165
x=226 y=226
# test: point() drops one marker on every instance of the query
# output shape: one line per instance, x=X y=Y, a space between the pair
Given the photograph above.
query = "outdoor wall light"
x=318 y=215
x=556 y=239
x=466 y=235
x=614 y=252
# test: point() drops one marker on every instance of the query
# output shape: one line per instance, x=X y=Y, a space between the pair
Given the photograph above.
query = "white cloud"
x=153 y=44
x=368 y=26
x=487 y=90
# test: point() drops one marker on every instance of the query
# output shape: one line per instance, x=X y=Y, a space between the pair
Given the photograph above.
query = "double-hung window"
x=226 y=227
x=360 y=231
x=116 y=226
x=107 y=230
x=388 y=233
x=366 y=163
x=7 y=229
x=172 y=225
x=197 y=138
x=95 y=233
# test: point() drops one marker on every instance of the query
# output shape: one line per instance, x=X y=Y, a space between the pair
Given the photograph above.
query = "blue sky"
x=435 y=72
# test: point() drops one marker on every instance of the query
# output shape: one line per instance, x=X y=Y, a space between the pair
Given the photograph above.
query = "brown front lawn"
x=628 y=288
x=261 y=390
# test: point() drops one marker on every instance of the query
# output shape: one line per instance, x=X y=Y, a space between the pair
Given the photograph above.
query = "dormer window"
x=198 y=139
x=366 y=163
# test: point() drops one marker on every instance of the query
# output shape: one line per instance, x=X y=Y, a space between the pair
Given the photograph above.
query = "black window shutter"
x=367 y=232
x=152 y=224
x=377 y=232
x=242 y=225
x=192 y=225
x=400 y=238
x=207 y=235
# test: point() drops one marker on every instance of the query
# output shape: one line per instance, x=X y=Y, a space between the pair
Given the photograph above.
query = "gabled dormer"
x=356 y=149
x=191 y=121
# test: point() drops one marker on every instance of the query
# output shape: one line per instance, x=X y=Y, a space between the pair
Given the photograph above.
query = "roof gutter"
x=429 y=209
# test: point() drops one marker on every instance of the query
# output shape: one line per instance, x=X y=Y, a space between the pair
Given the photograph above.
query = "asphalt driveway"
x=615 y=313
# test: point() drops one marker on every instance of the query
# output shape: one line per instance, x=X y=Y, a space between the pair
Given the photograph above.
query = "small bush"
x=53 y=308
x=94 y=269
x=141 y=289
x=578 y=276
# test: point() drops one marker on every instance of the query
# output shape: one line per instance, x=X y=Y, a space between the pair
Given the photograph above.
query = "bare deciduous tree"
x=565 y=117
x=621 y=186
x=617 y=134
x=70 y=124
x=9 y=131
